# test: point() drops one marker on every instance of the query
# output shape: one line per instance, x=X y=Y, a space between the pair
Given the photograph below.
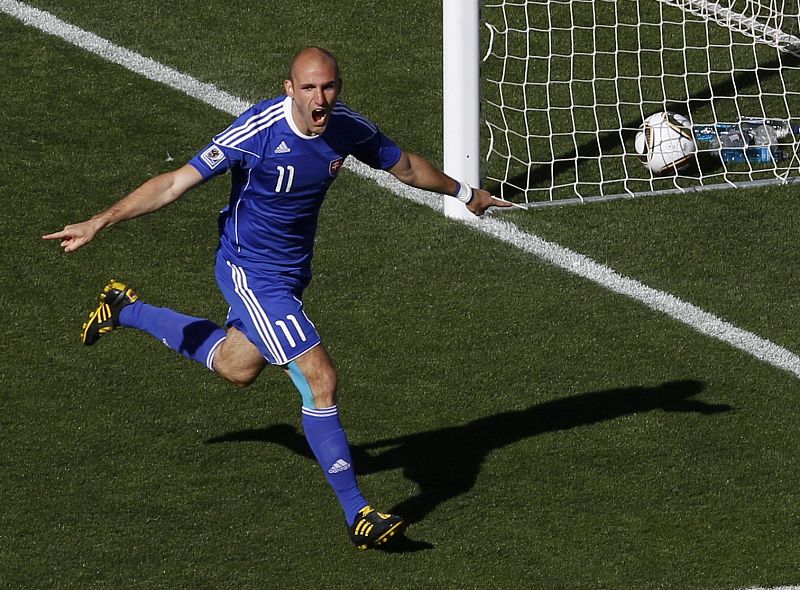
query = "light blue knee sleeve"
x=301 y=383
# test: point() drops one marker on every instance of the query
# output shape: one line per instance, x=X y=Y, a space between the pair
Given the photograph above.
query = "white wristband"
x=464 y=192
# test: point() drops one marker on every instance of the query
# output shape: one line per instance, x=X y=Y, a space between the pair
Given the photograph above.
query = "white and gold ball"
x=664 y=142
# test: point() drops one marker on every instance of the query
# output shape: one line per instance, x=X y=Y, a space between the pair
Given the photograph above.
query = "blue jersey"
x=279 y=178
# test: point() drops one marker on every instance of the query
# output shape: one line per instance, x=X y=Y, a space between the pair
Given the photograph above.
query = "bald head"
x=314 y=58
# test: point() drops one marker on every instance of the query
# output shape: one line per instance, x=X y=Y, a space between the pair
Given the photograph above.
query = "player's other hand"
x=482 y=200
x=76 y=235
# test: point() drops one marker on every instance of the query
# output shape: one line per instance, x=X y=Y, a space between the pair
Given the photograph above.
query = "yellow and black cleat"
x=105 y=318
x=372 y=528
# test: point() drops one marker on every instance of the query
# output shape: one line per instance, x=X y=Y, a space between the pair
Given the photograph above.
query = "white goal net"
x=566 y=85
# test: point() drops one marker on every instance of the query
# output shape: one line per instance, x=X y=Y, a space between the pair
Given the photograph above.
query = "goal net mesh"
x=566 y=85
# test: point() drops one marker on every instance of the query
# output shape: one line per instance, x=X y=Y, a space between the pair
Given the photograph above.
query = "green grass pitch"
x=538 y=430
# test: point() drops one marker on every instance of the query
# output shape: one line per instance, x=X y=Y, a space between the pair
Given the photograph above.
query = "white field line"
x=559 y=256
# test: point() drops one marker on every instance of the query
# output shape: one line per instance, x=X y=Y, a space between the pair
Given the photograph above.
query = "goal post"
x=563 y=86
x=461 y=97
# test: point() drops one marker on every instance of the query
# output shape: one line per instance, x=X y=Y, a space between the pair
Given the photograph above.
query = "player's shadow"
x=445 y=463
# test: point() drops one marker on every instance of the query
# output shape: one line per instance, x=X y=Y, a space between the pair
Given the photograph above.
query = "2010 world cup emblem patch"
x=335 y=166
x=213 y=156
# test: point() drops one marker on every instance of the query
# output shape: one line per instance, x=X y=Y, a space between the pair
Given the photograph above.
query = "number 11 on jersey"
x=281 y=173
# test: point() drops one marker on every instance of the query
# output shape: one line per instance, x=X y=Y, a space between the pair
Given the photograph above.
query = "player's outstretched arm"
x=418 y=172
x=154 y=194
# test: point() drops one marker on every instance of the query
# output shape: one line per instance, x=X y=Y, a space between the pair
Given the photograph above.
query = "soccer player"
x=282 y=155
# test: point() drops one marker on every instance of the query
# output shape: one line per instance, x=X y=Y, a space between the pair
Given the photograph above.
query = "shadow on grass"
x=445 y=463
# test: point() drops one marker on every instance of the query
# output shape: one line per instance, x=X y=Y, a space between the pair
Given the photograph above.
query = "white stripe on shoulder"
x=255 y=130
x=232 y=133
x=341 y=109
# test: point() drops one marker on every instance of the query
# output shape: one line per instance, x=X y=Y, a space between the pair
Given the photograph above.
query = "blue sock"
x=194 y=338
x=327 y=439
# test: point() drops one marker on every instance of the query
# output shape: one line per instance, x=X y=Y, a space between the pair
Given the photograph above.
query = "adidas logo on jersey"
x=282 y=148
x=339 y=466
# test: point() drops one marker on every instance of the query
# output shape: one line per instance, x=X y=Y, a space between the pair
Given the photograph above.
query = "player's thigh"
x=237 y=359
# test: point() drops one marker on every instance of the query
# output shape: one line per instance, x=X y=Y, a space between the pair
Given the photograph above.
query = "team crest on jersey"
x=335 y=166
x=213 y=156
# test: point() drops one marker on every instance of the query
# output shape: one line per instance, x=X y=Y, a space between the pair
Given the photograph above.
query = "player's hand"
x=482 y=200
x=76 y=235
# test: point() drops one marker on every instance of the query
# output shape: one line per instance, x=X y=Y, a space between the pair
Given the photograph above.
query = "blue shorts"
x=268 y=309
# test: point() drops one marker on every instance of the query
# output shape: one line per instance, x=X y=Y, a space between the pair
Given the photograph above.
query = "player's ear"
x=288 y=88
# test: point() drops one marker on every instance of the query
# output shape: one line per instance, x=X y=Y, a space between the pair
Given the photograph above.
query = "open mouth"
x=318 y=116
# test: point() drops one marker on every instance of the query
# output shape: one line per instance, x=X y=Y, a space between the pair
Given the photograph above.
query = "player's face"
x=314 y=88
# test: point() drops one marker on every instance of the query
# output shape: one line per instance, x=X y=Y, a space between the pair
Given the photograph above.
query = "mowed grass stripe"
x=559 y=256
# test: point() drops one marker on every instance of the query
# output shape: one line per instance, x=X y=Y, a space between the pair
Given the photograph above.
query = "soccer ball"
x=664 y=142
